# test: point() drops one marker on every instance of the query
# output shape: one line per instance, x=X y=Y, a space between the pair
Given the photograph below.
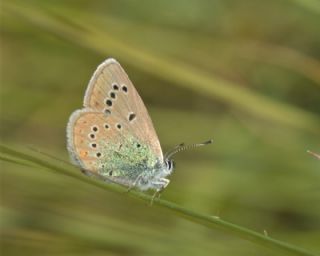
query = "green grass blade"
x=211 y=222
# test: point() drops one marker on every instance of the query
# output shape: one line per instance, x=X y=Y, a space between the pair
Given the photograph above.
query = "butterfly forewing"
x=110 y=91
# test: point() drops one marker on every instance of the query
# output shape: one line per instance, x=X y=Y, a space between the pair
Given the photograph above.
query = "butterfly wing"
x=113 y=134
x=111 y=91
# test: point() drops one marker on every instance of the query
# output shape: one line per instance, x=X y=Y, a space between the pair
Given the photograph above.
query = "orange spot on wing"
x=83 y=153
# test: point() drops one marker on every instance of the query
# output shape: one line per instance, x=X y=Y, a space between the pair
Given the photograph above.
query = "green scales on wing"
x=127 y=159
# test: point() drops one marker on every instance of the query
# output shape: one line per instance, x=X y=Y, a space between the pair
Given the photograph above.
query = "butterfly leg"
x=134 y=183
x=161 y=184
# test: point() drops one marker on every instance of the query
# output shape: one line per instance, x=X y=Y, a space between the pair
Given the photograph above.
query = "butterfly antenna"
x=314 y=154
x=182 y=147
x=173 y=150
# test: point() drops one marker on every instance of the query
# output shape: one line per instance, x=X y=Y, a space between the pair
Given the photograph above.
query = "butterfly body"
x=113 y=137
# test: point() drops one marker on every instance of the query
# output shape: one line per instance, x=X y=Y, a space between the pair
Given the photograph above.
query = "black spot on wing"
x=131 y=117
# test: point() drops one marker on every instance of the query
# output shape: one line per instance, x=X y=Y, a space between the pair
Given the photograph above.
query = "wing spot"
x=98 y=154
x=106 y=126
x=110 y=173
x=107 y=112
x=124 y=88
x=119 y=126
x=94 y=128
x=115 y=87
x=83 y=153
x=108 y=102
x=112 y=95
x=131 y=117
x=92 y=136
x=93 y=145
x=138 y=145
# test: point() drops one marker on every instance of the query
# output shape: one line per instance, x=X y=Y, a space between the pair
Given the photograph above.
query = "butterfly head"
x=169 y=165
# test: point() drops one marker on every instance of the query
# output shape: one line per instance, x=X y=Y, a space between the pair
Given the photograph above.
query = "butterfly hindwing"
x=101 y=147
x=85 y=130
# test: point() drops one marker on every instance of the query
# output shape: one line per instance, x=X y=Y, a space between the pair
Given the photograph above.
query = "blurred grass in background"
x=245 y=73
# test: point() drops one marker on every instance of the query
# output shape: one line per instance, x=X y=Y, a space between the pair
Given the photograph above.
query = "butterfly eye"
x=115 y=87
x=110 y=173
x=124 y=88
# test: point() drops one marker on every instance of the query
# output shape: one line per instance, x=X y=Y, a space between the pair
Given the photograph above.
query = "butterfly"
x=113 y=137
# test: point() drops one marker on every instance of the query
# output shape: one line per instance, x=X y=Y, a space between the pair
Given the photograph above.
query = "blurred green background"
x=245 y=73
